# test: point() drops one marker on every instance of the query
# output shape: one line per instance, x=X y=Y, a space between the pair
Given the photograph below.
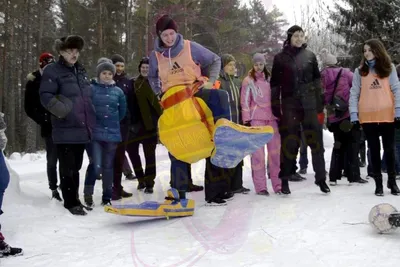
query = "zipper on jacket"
x=84 y=105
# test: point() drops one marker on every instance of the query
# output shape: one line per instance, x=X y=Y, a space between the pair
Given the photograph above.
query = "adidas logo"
x=176 y=68
x=375 y=85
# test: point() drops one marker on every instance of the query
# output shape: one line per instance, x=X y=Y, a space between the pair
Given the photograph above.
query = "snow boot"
x=285 y=187
x=77 y=210
x=195 y=188
x=7 y=251
x=56 y=195
x=378 y=186
x=148 y=190
x=394 y=219
x=323 y=186
x=392 y=185
x=125 y=194
x=227 y=196
x=89 y=201
x=263 y=193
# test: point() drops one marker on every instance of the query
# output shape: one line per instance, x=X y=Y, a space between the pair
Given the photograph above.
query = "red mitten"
x=321 y=118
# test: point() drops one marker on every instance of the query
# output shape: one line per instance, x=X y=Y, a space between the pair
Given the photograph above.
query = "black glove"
x=135 y=128
x=356 y=125
x=397 y=123
x=247 y=123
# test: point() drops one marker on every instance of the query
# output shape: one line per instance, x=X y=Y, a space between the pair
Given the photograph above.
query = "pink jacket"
x=255 y=99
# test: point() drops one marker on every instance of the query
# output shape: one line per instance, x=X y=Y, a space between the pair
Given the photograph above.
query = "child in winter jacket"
x=110 y=104
x=5 y=249
x=256 y=111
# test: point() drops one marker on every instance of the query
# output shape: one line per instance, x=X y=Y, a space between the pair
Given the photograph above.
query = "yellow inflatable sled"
x=188 y=131
x=171 y=207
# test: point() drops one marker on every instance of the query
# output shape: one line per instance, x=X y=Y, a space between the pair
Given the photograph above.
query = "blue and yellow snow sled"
x=171 y=207
x=187 y=129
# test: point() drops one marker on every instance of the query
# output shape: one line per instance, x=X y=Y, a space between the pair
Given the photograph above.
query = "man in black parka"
x=297 y=100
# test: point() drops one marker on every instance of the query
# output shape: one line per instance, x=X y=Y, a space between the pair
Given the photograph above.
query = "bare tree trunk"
x=146 y=34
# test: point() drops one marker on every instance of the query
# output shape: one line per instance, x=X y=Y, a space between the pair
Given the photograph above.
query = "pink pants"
x=258 y=160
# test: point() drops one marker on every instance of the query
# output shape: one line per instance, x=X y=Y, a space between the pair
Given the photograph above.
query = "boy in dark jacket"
x=123 y=82
x=144 y=128
x=42 y=117
x=65 y=92
x=232 y=85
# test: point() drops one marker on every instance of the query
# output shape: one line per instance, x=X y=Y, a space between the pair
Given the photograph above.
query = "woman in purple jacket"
x=337 y=82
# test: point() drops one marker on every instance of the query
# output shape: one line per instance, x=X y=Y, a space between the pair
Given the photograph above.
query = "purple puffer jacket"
x=328 y=77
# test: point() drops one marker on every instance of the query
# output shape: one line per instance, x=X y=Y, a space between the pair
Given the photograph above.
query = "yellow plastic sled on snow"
x=171 y=207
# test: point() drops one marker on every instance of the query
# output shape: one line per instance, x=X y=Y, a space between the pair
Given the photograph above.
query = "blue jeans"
x=101 y=155
x=4 y=178
x=303 y=161
x=218 y=102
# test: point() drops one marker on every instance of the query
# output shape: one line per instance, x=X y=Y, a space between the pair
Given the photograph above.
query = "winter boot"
x=148 y=190
x=394 y=219
x=7 y=251
x=285 y=187
x=125 y=194
x=141 y=186
x=263 y=193
x=77 y=210
x=242 y=190
x=195 y=188
x=302 y=171
x=130 y=177
x=56 y=195
x=323 y=186
x=392 y=185
x=88 y=201
x=378 y=186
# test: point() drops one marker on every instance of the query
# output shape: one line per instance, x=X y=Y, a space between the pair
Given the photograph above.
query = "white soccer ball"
x=379 y=218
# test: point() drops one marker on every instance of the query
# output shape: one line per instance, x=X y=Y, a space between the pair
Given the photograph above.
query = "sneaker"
x=56 y=195
x=106 y=202
x=333 y=183
x=88 y=200
x=242 y=190
x=7 y=251
x=263 y=193
x=227 y=196
x=148 y=190
x=216 y=202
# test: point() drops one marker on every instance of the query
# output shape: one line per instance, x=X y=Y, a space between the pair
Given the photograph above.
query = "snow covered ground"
x=306 y=228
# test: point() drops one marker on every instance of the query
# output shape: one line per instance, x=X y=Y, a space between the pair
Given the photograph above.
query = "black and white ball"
x=379 y=218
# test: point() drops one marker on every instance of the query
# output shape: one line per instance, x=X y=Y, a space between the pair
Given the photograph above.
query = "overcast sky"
x=290 y=8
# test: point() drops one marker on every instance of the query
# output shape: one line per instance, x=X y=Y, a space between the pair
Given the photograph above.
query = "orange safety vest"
x=179 y=70
x=376 y=103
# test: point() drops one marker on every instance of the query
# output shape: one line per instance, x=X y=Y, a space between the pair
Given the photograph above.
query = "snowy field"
x=306 y=228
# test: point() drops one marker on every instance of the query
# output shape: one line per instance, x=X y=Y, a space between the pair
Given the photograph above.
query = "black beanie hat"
x=117 y=58
x=144 y=60
x=165 y=23
x=290 y=32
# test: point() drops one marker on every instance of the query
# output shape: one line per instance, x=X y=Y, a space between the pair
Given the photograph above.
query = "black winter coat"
x=65 y=91
x=296 y=82
x=33 y=108
x=123 y=82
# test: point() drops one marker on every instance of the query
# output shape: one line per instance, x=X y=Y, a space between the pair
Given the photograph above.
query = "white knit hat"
x=327 y=58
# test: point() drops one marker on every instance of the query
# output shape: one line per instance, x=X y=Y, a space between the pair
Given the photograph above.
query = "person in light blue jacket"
x=375 y=105
x=110 y=104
